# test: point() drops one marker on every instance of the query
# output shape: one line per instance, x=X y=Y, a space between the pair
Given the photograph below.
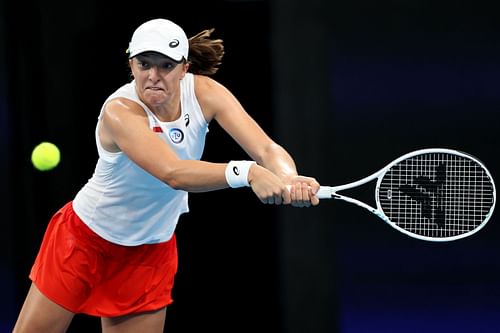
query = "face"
x=157 y=77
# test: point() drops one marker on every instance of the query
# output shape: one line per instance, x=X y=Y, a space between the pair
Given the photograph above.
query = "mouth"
x=154 y=88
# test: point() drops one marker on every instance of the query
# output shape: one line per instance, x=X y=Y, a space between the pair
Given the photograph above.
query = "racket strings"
x=437 y=194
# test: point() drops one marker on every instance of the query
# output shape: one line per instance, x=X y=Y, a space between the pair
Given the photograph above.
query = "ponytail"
x=205 y=54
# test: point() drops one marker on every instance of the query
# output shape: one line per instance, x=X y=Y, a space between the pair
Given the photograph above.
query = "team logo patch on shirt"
x=176 y=135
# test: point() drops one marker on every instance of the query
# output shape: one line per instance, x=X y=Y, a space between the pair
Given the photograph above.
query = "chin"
x=155 y=98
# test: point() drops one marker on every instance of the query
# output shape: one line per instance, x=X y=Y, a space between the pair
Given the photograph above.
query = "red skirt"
x=85 y=273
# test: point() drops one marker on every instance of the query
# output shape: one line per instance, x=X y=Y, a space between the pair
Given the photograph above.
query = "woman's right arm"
x=124 y=127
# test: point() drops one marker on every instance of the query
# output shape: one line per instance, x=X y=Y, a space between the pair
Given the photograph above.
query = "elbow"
x=173 y=182
x=170 y=177
x=176 y=185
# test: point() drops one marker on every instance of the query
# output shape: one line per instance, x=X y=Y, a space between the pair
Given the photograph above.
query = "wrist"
x=237 y=173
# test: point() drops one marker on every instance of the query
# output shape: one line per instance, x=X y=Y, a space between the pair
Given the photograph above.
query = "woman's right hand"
x=268 y=187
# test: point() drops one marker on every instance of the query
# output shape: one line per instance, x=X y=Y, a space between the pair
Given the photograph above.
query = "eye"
x=167 y=65
x=142 y=64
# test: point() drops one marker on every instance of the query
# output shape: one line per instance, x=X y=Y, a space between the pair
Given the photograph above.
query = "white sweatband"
x=237 y=173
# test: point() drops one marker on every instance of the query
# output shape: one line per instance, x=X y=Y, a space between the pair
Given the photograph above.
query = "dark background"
x=345 y=87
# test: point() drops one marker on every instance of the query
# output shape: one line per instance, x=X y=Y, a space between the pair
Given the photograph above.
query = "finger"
x=286 y=196
x=298 y=192
x=314 y=200
x=306 y=191
x=297 y=196
x=278 y=199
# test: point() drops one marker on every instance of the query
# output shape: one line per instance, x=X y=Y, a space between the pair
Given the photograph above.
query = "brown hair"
x=205 y=54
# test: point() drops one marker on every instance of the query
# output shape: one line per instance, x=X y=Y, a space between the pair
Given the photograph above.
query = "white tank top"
x=128 y=206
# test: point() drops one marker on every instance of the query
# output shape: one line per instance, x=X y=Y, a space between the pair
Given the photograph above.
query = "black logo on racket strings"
x=174 y=43
x=427 y=192
x=236 y=171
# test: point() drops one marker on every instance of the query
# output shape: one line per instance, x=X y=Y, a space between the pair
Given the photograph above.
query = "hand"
x=268 y=187
x=303 y=191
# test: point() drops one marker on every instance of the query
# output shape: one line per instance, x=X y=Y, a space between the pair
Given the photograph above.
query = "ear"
x=185 y=68
x=130 y=63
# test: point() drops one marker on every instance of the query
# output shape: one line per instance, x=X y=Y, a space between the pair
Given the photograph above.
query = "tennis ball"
x=45 y=156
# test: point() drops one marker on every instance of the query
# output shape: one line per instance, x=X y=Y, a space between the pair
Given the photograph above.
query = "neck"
x=169 y=111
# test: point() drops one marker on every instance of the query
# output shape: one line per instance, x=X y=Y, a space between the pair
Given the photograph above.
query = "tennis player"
x=111 y=251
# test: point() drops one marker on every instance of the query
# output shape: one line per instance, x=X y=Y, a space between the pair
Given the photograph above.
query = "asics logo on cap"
x=174 y=43
x=236 y=171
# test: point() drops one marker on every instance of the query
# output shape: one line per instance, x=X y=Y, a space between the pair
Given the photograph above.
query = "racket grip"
x=324 y=192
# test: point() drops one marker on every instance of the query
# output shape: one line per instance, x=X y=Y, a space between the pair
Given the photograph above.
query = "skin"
x=124 y=127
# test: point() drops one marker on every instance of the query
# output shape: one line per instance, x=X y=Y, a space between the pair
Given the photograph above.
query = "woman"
x=111 y=251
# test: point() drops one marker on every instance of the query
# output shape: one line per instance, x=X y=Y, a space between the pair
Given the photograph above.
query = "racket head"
x=436 y=194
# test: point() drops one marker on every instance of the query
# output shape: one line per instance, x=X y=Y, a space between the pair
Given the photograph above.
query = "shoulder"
x=120 y=108
x=206 y=85
x=212 y=95
x=121 y=105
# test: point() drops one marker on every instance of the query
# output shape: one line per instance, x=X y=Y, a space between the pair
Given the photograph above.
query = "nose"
x=153 y=74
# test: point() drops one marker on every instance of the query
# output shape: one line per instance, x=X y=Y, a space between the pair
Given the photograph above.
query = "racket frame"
x=331 y=192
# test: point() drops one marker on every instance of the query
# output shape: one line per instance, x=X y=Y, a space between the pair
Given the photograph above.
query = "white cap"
x=162 y=36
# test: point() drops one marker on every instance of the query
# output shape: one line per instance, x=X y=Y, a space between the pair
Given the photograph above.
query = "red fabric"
x=84 y=273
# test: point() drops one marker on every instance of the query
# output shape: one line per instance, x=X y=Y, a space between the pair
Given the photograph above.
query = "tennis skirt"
x=84 y=273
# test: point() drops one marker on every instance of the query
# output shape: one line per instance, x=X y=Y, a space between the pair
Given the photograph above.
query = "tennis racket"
x=429 y=194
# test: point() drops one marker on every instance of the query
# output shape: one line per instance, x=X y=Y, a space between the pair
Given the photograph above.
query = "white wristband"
x=237 y=173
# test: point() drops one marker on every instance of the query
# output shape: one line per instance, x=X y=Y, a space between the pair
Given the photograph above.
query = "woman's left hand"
x=303 y=191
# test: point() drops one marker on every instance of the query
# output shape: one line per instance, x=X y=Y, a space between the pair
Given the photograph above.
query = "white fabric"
x=237 y=173
x=161 y=36
x=126 y=205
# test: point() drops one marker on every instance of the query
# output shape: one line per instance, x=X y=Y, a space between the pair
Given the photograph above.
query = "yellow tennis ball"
x=45 y=156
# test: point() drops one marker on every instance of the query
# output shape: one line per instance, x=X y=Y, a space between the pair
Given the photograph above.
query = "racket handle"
x=324 y=192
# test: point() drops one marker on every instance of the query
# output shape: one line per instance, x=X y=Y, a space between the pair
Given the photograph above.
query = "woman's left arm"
x=218 y=103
